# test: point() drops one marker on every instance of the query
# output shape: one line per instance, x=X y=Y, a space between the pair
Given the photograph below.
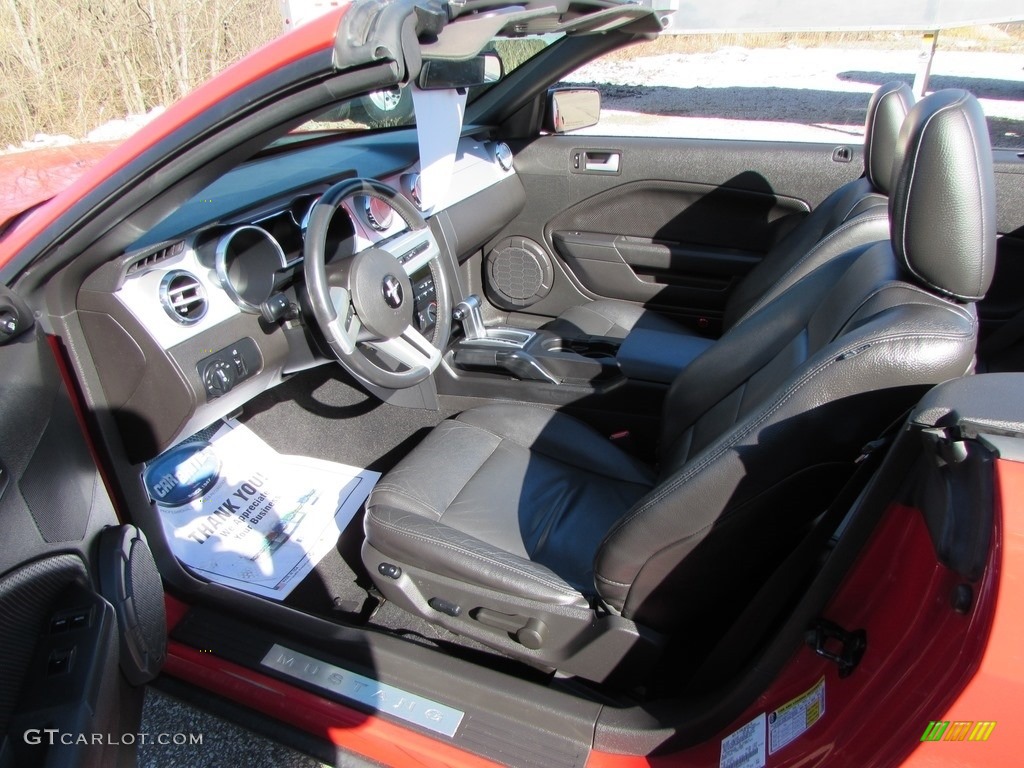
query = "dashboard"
x=206 y=310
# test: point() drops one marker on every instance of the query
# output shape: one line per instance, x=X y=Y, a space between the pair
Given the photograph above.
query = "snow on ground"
x=116 y=130
x=113 y=130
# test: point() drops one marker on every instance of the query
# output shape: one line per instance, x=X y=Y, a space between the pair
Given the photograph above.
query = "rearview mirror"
x=570 y=109
x=442 y=74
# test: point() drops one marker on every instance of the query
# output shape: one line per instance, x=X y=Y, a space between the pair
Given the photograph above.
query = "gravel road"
x=223 y=743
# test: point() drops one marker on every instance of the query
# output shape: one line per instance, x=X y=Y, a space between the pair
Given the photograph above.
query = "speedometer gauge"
x=247 y=261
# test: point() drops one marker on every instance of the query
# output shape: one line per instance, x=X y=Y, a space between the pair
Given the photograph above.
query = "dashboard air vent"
x=183 y=297
x=155 y=257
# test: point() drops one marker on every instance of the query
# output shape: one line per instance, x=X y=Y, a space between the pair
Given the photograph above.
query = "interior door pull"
x=601 y=162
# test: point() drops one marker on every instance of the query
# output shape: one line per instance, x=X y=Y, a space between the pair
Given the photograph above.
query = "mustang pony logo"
x=392 y=290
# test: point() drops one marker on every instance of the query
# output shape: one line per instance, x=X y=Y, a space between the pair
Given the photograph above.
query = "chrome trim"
x=503 y=154
x=221 y=267
x=170 y=302
x=309 y=201
x=504 y=337
x=411 y=188
x=385 y=223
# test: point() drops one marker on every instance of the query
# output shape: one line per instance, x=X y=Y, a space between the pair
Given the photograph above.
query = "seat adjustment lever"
x=530 y=632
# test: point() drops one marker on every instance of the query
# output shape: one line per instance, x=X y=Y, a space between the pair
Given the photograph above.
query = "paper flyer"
x=240 y=514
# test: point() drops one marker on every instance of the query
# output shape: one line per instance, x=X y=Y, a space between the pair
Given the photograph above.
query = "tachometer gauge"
x=302 y=208
x=378 y=214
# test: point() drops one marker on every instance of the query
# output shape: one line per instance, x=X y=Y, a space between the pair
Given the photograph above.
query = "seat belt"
x=756 y=619
x=1002 y=337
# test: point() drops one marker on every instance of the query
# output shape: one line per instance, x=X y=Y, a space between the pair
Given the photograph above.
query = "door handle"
x=596 y=161
x=601 y=162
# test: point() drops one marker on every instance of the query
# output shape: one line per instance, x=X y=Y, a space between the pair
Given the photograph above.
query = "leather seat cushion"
x=512 y=497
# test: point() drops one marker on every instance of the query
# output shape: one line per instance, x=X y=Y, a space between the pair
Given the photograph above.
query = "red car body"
x=317 y=35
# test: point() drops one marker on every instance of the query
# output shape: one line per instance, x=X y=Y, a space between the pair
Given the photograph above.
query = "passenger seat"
x=853 y=215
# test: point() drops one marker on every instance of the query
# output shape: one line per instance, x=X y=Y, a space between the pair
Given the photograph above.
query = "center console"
x=591 y=378
x=531 y=355
x=425 y=301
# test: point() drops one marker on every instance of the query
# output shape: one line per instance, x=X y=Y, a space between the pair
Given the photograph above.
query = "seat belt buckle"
x=622 y=439
x=870 y=449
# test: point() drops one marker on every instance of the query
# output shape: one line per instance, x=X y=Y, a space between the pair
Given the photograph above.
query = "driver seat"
x=528 y=531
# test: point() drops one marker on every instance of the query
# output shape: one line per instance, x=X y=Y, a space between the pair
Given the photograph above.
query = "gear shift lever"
x=467 y=312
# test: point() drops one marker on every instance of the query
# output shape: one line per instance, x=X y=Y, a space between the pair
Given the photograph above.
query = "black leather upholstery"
x=934 y=208
x=887 y=110
x=758 y=432
x=853 y=215
x=501 y=481
x=756 y=429
x=612 y=318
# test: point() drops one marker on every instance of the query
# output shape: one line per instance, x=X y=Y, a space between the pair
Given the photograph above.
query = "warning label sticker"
x=744 y=748
x=788 y=722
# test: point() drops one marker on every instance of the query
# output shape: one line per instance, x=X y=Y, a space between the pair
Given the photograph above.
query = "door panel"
x=671 y=223
x=652 y=271
x=675 y=244
x=1003 y=350
x=59 y=637
x=1006 y=297
x=70 y=686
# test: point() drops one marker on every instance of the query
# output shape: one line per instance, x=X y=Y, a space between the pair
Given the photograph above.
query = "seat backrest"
x=761 y=429
x=853 y=215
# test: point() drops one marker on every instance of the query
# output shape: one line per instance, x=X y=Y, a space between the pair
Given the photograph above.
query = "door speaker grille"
x=519 y=273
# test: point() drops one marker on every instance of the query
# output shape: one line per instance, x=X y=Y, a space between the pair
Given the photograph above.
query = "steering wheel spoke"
x=413 y=248
x=344 y=328
x=412 y=349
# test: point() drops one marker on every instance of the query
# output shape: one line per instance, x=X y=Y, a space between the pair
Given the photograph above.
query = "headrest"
x=887 y=109
x=942 y=205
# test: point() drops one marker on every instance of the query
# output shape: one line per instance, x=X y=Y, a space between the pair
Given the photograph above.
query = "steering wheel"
x=368 y=299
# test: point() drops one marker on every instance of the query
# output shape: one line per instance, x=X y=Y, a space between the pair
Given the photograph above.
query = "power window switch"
x=60 y=661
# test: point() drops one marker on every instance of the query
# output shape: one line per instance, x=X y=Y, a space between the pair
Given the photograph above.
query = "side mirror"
x=570 y=109
x=443 y=74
